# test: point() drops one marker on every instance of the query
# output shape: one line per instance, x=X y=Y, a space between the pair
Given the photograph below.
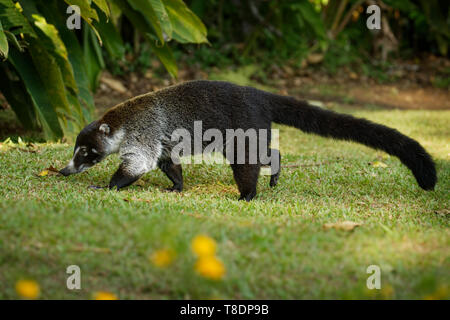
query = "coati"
x=140 y=130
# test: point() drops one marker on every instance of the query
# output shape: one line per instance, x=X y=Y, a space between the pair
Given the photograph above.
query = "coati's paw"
x=97 y=187
x=175 y=189
x=273 y=180
x=248 y=196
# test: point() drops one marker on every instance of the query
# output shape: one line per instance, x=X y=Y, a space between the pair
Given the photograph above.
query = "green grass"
x=274 y=247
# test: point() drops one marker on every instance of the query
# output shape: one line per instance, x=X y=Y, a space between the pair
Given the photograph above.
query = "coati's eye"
x=84 y=152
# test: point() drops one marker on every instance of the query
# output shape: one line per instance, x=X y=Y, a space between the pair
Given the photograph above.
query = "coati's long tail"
x=311 y=119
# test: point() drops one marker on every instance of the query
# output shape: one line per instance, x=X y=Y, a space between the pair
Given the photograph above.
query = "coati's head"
x=93 y=144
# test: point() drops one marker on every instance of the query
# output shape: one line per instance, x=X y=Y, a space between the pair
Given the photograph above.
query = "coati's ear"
x=104 y=127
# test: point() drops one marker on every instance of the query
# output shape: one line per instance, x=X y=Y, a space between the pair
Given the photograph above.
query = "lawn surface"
x=274 y=247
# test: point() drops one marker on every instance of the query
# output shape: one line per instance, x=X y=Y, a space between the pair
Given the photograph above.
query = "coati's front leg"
x=173 y=172
x=130 y=170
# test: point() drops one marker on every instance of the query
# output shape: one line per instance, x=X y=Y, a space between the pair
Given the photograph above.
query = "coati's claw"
x=97 y=187
x=176 y=189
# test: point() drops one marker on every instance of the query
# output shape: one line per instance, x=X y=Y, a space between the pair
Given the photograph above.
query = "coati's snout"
x=89 y=149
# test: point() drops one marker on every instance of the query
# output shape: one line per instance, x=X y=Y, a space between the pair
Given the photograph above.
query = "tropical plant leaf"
x=4 y=48
x=187 y=27
x=13 y=40
x=51 y=77
x=18 y=98
x=87 y=13
x=111 y=38
x=163 y=17
x=76 y=60
x=92 y=57
x=36 y=88
x=104 y=6
x=146 y=9
x=164 y=53
x=13 y=20
x=53 y=43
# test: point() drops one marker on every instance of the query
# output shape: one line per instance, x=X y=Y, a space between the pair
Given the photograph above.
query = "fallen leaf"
x=134 y=199
x=443 y=212
x=43 y=173
x=344 y=225
x=378 y=164
x=49 y=171
x=315 y=58
x=114 y=84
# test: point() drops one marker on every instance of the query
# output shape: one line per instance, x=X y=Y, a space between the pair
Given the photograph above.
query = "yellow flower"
x=440 y=294
x=103 y=295
x=28 y=289
x=203 y=246
x=162 y=258
x=210 y=267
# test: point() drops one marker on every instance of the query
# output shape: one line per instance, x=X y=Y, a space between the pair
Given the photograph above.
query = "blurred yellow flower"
x=440 y=294
x=163 y=257
x=103 y=295
x=28 y=289
x=203 y=246
x=210 y=267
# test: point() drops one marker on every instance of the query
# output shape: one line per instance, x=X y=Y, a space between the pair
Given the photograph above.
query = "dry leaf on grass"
x=52 y=171
x=378 y=164
x=134 y=199
x=443 y=212
x=344 y=225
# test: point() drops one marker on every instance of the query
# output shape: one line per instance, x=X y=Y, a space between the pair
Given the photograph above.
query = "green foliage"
x=49 y=72
x=282 y=32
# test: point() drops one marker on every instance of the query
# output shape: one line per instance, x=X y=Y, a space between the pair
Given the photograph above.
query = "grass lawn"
x=274 y=247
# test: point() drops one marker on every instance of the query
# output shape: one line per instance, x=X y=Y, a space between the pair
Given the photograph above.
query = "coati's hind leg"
x=173 y=172
x=246 y=177
x=275 y=166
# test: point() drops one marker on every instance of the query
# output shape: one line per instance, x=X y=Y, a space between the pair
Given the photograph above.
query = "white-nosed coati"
x=140 y=130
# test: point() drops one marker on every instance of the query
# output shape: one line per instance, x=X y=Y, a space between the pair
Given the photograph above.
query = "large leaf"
x=163 y=17
x=53 y=43
x=92 y=57
x=146 y=9
x=3 y=43
x=51 y=76
x=18 y=98
x=104 y=6
x=75 y=58
x=112 y=40
x=13 y=20
x=164 y=53
x=36 y=88
x=187 y=27
x=87 y=13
